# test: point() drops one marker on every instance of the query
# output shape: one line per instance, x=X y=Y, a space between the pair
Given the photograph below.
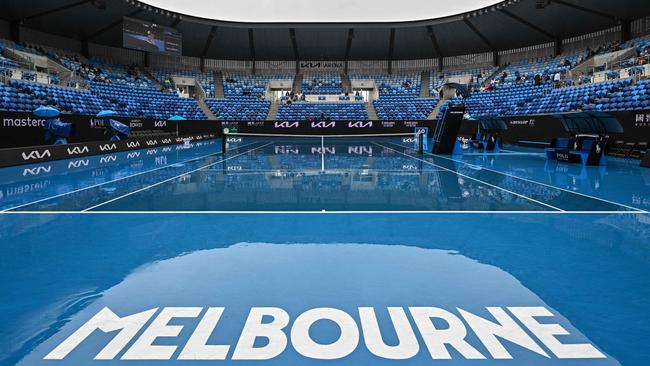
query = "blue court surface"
x=321 y=252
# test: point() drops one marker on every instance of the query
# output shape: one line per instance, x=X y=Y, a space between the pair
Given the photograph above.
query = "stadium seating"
x=239 y=109
x=299 y=111
x=206 y=79
x=321 y=83
x=66 y=99
x=14 y=100
x=569 y=99
x=404 y=107
x=402 y=84
x=147 y=101
x=623 y=96
x=237 y=85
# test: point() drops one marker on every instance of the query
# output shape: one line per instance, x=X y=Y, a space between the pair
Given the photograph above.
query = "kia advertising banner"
x=324 y=127
x=19 y=129
x=37 y=154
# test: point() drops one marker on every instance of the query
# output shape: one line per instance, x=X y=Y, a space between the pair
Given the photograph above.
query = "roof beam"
x=175 y=23
x=348 y=45
x=114 y=23
x=434 y=41
x=294 y=43
x=391 y=49
x=251 y=45
x=56 y=10
x=528 y=24
x=585 y=9
x=479 y=34
x=208 y=41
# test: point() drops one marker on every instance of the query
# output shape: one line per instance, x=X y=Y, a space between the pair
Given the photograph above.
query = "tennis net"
x=235 y=142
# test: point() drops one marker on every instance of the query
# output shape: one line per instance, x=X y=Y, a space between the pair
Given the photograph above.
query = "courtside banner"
x=37 y=154
x=18 y=129
x=543 y=128
x=323 y=127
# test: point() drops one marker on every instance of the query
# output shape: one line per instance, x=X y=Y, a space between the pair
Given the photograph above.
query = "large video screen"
x=150 y=37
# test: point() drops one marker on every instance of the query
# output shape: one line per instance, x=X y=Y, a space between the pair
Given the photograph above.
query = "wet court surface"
x=302 y=253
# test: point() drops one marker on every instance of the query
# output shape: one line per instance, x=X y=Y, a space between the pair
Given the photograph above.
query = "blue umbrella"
x=46 y=112
x=106 y=114
x=177 y=118
x=119 y=127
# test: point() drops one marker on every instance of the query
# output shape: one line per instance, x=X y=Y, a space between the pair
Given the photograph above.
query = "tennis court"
x=354 y=249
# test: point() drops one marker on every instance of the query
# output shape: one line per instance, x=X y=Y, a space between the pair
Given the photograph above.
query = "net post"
x=421 y=143
x=224 y=137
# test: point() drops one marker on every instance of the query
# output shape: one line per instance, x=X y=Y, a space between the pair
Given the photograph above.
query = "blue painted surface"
x=590 y=270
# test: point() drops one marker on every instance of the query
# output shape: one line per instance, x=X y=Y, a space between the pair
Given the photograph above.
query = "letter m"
x=106 y=321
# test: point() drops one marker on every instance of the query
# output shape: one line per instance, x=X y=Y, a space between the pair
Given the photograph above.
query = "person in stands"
x=557 y=79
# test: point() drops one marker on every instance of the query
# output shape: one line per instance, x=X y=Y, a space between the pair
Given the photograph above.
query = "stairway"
x=273 y=110
x=493 y=75
x=218 y=85
x=372 y=112
x=425 y=78
x=434 y=113
x=346 y=84
x=152 y=79
x=206 y=110
x=297 y=83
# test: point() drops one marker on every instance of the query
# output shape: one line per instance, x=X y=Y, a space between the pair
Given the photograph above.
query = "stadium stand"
x=321 y=83
x=238 y=85
x=239 y=108
x=165 y=78
x=299 y=111
x=404 y=107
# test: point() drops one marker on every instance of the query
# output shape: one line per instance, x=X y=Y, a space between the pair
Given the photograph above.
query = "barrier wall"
x=543 y=128
x=39 y=154
x=18 y=129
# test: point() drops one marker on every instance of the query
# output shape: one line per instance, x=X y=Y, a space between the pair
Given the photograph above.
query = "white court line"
x=540 y=183
x=511 y=152
x=322 y=153
x=172 y=178
x=333 y=171
x=108 y=182
x=500 y=154
x=474 y=179
x=323 y=212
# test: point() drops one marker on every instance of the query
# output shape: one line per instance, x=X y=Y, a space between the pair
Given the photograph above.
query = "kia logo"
x=35 y=154
x=78 y=163
x=360 y=150
x=160 y=124
x=133 y=144
x=152 y=151
x=286 y=124
x=323 y=124
x=77 y=150
x=36 y=171
x=285 y=150
x=167 y=141
x=107 y=147
x=152 y=142
x=360 y=124
x=133 y=155
x=108 y=159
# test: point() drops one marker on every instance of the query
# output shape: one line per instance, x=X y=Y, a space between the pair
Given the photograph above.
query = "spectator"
x=557 y=79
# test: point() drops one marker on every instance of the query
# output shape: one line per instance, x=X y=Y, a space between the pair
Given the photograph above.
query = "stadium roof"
x=507 y=25
x=333 y=11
